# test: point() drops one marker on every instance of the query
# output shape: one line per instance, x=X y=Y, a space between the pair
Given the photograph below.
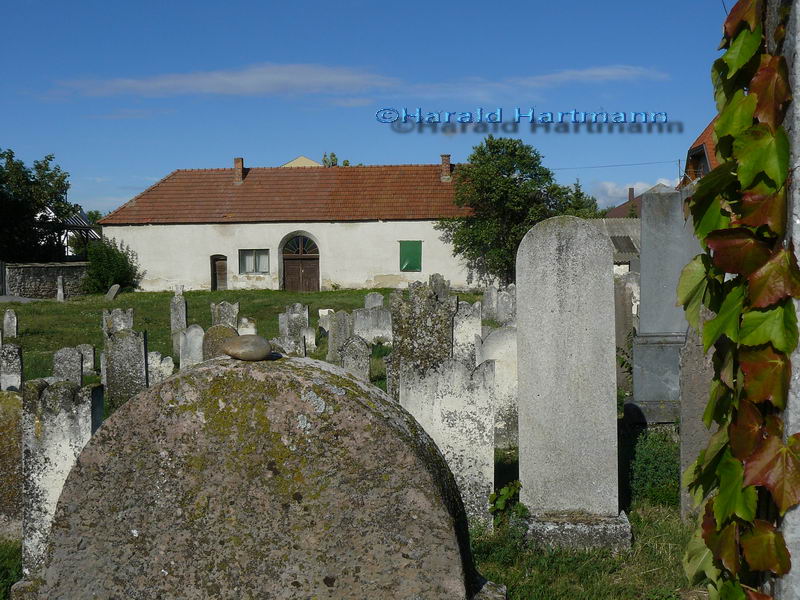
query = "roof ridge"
x=313 y=167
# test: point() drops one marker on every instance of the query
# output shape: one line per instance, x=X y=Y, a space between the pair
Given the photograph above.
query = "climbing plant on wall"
x=749 y=475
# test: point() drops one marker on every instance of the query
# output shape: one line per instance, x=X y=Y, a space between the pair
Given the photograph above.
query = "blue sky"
x=125 y=92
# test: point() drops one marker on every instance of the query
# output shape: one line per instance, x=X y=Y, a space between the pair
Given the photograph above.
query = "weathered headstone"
x=60 y=288
x=373 y=324
x=291 y=325
x=506 y=311
x=11 y=465
x=112 y=292
x=440 y=286
x=126 y=366
x=466 y=332
x=626 y=296
x=356 y=354
x=10 y=367
x=567 y=386
x=56 y=424
x=247 y=326
x=214 y=339
x=158 y=368
x=300 y=421
x=10 y=323
x=191 y=346
x=117 y=320
x=225 y=313
x=87 y=357
x=341 y=330
x=501 y=347
x=489 y=303
x=668 y=243
x=103 y=369
x=68 y=365
x=454 y=404
x=177 y=313
x=310 y=339
x=373 y=300
x=324 y=321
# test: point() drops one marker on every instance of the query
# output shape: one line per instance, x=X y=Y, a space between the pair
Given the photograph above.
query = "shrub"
x=655 y=471
x=10 y=565
x=111 y=264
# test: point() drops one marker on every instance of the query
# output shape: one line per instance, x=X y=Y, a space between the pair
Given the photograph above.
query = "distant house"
x=701 y=157
x=304 y=228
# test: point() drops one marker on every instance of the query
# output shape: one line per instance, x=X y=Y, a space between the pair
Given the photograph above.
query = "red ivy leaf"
x=776 y=279
x=776 y=467
x=774 y=426
x=748 y=11
x=755 y=594
x=747 y=431
x=765 y=549
x=737 y=250
x=763 y=208
x=770 y=85
x=766 y=376
x=724 y=545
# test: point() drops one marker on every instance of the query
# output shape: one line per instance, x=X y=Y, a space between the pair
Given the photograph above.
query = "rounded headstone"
x=247 y=347
x=284 y=480
x=215 y=337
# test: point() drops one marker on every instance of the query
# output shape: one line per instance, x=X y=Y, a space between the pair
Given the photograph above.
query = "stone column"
x=177 y=318
x=60 y=288
x=567 y=386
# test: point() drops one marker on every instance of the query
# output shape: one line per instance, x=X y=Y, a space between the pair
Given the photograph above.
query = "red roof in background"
x=706 y=139
x=278 y=194
x=623 y=211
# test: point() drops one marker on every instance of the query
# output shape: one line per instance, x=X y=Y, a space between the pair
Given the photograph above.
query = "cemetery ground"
x=650 y=570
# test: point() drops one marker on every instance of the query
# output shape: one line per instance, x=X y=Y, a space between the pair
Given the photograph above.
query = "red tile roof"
x=706 y=139
x=396 y=193
x=623 y=211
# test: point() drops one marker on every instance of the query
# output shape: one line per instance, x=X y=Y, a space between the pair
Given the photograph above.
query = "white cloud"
x=271 y=79
x=611 y=193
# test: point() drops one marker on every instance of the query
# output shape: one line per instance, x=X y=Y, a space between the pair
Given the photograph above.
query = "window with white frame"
x=253 y=261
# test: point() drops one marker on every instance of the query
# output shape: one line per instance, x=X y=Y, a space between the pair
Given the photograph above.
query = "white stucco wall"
x=352 y=255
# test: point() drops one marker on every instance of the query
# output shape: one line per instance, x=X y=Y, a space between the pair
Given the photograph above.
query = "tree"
x=33 y=201
x=509 y=191
x=331 y=160
x=111 y=263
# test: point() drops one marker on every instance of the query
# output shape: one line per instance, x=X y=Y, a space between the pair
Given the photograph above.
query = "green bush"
x=111 y=264
x=10 y=565
x=655 y=471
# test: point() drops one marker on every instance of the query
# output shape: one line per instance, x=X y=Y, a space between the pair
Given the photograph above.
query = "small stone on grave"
x=247 y=347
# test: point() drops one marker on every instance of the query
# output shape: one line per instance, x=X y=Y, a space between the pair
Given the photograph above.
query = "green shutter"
x=411 y=256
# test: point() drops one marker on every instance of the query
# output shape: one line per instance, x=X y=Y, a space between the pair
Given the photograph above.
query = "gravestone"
x=454 y=403
x=87 y=357
x=373 y=300
x=158 y=368
x=177 y=313
x=668 y=243
x=247 y=326
x=225 y=313
x=214 y=339
x=112 y=292
x=60 y=288
x=324 y=320
x=506 y=311
x=626 y=298
x=103 y=369
x=191 y=346
x=310 y=339
x=271 y=456
x=440 y=286
x=126 y=366
x=373 y=324
x=10 y=367
x=11 y=465
x=291 y=325
x=117 y=320
x=10 y=323
x=489 y=303
x=56 y=424
x=500 y=346
x=697 y=371
x=567 y=386
x=341 y=330
x=68 y=365
x=355 y=354
x=466 y=332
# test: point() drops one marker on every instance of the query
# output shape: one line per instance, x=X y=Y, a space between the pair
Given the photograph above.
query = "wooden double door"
x=301 y=265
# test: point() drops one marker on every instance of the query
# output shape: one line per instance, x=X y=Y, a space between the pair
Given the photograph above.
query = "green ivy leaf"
x=777 y=467
x=742 y=49
x=731 y=590
x=733 y=498
x=777 y=326
x=719 y=402
x=766 y=376
x=727 y=319
x=736 y=116
x=737 y=250
x=765 y=549
x=777 y=279
x=698 y=561
x=692 y=286
x=758 y=150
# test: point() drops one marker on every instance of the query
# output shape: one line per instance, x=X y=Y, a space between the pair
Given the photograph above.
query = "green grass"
x=651 y=570
x=10 y=565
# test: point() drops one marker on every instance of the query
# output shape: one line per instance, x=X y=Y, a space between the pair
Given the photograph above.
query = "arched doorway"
x=219 y=272
x=300 y=265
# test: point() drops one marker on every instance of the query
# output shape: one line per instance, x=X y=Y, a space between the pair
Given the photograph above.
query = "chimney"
x=630 y=194
x=238 y=170
x=445 y=171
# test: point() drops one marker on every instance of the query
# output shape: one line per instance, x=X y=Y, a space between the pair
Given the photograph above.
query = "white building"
x=304 y=228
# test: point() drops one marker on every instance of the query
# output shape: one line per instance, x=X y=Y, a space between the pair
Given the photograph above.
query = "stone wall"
x=38 y=280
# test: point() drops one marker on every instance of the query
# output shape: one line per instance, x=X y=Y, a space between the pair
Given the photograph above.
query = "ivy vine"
x=749 y=474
